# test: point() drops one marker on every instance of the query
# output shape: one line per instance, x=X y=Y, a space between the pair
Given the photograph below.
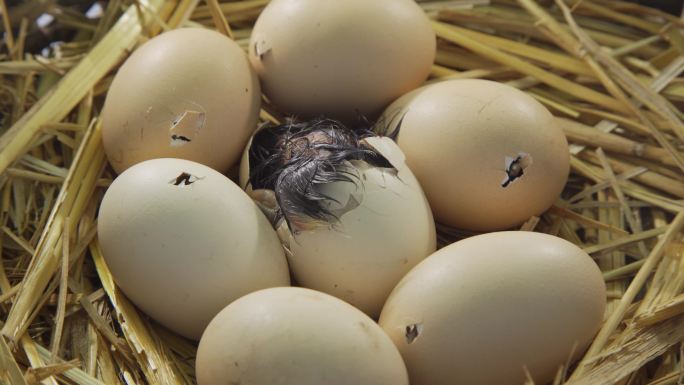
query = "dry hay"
x=609 y=70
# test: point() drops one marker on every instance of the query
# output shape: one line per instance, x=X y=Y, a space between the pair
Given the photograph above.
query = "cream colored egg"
x=385 y=228
x=295 y=336
x=188 y=93
x=480 y=311
x=487 y=155
x=182 y=241
x=341 y=59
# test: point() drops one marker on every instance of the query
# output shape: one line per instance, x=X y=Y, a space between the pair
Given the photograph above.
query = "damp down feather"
x=295 y=159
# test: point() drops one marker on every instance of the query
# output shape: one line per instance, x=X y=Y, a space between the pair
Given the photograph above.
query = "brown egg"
x=188 y=93
x=341 y=59
x=482 y=310
x=487 y=155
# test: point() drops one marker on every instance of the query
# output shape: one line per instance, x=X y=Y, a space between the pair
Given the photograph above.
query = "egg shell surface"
x=182 y=241
x=480 y=310
x=385 y=228
x=296 y=336
x=341 y=59
x=487 y=155
x=188 y=93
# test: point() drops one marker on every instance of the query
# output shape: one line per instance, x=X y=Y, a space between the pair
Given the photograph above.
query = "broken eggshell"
x=513 y=301
x=182 y=241
x=188 y=93
x=384 y=227
x=487 y=155
x=296 y=336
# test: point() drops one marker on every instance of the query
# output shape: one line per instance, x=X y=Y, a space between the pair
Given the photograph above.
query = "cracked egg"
x=343 y=59
x=188 y=93
x=351 y=215
x=512 y=301
x=182 y=241
x=487 y=155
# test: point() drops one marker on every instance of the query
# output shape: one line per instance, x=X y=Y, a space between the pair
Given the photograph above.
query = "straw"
x=609 y=71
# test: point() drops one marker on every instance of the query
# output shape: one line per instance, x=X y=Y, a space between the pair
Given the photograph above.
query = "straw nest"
x=609 y=70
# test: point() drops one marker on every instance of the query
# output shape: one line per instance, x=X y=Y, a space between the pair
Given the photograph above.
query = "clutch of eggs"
x=487 y=155
x=189 y=93
x=182 y=241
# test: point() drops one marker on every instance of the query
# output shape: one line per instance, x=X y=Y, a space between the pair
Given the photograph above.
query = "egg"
x=487 y=155
x=341 y=59
x=484 y=309
x=380 y=224
x=296 y=336
x=188 y=93
x=182 y=241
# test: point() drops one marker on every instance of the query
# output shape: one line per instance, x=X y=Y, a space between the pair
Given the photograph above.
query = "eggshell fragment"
x=182 y=241
x=487 y=155
x=480 y=311
x=188 y=93
x=341 y=59
x=295 y=336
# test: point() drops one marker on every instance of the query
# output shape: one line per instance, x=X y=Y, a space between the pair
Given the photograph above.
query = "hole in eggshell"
x=184 y=179
x=261 y=49
x=180 y=137
x=412 y=332
x=514 y=167
x=185 y=127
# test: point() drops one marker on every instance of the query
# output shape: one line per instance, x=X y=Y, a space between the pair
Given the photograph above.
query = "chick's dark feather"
x=295 y=159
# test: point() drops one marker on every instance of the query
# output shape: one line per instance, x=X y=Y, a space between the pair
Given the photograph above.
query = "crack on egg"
x=180 y=137
x=184 y=179
x=184 y=128
x=261 y=48
x=413 y=331
x=514 y=167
